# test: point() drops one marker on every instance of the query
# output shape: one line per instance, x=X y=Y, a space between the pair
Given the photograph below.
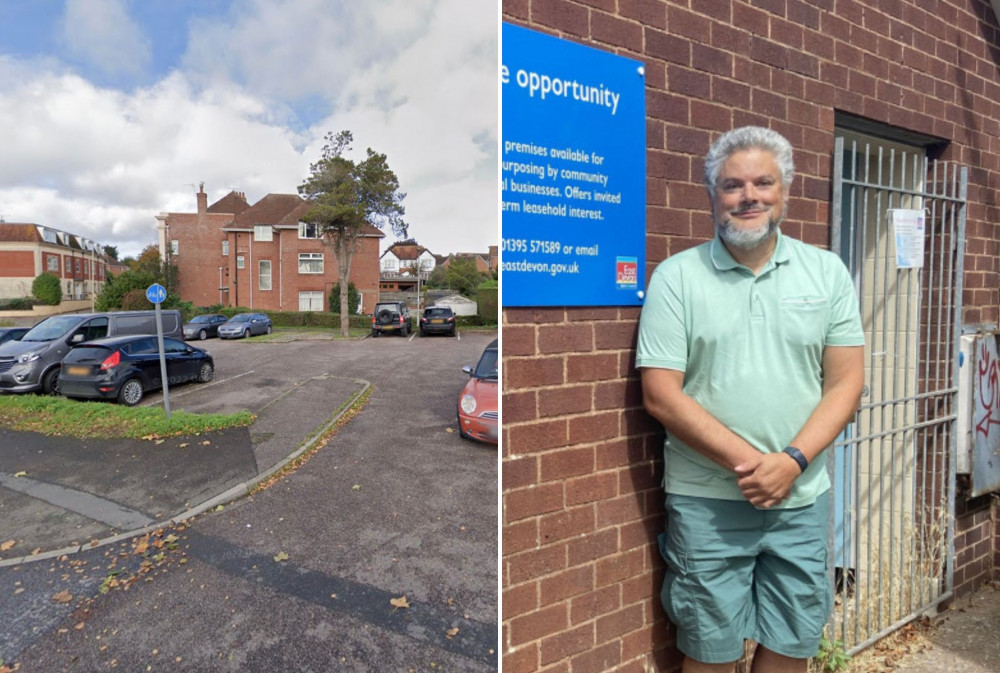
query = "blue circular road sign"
x=156 y=293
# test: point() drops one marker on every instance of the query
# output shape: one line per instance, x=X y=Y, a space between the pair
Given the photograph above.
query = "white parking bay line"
x=195 y=388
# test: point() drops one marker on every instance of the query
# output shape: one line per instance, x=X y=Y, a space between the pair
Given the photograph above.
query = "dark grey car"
x=204 y=326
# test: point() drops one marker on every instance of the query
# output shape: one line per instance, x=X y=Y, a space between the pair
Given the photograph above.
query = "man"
x=750 y=351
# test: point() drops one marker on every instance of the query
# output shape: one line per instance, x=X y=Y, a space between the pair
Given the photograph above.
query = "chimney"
x=202 y=199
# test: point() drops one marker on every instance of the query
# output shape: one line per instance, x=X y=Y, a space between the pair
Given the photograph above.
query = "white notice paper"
x=908 y=227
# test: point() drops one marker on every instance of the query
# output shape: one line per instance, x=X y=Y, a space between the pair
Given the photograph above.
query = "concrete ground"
x=963 y=639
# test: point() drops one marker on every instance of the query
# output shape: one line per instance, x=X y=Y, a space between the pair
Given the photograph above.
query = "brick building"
x=28 y=250
x=260 y=256
x=896 y=98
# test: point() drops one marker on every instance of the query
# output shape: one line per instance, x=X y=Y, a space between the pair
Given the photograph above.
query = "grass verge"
x=59 y=416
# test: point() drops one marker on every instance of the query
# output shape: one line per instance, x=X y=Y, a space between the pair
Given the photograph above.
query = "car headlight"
x=468 y=403
x=30 y=356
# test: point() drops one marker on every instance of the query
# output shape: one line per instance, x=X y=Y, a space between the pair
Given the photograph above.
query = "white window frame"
x=241 y=262
x=225 y=248
x=52 y=263
x=263 y=275
x=69 y=265
x=175 y=247
x=263 y=233
x=309 y=259
x=306 y=227
x=311 y=300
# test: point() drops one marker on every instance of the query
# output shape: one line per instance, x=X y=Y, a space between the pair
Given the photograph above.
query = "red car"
x=478 y=417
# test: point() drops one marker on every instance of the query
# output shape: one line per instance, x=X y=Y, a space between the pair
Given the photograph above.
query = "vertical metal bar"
x=956 y=341
x=835 y=246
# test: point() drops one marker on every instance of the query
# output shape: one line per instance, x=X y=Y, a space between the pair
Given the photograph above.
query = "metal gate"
x=898 y=221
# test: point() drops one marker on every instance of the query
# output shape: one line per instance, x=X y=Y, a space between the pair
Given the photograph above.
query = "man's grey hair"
x=745 y=138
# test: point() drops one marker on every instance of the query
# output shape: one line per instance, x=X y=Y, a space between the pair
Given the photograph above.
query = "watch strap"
x=797 y=456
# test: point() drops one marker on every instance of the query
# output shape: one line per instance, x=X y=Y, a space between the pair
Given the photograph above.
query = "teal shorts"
x=737 y=572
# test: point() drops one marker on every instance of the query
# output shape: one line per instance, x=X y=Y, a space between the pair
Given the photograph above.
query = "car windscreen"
x=88 y=354
x=487 y=366
x=201 y=319
x=51 y=328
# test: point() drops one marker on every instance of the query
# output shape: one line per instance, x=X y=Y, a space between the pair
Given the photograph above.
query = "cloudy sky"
x=114 y=110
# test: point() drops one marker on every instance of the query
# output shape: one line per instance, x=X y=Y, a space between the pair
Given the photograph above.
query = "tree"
x=47 y=289
x=463 y=276
x=347 y=195
x=438 y=277
x=353 y=297
x=142 y=273
x=111 y=251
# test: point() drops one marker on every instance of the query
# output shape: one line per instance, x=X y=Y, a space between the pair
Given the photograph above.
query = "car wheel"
x=374 y=333
x=246 y=333
x=130 y=393
x=423 y=333
x=202 y=335
x=268 y=330
x=206 y=372
x=461 y=433
x=50 y=382
x=384 y=316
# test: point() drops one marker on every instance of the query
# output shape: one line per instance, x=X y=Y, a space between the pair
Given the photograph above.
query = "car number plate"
x=78 y=371
x=437 y=321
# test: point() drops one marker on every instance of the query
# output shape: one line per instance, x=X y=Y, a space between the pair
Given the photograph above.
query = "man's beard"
x=744 y=238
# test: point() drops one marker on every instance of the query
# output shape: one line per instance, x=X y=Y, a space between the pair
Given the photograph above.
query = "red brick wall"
x=18 y=263
x=580 y=459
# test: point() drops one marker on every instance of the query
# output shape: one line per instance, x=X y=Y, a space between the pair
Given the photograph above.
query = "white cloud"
x=102 y=34
x=415 y=79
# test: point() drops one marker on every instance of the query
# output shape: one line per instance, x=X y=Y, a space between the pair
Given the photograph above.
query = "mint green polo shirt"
x=751 y=349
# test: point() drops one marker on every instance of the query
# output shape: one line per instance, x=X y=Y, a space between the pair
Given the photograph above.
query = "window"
x=225 y=248
x=240 y=261
x=52 y=263
x=307 y=230
x=310 y=301
x=263 y=233
x=389 y=264
x=69 y=265
x=311 y=262
x=174 y=247
x=264 y=274
x=78 y=267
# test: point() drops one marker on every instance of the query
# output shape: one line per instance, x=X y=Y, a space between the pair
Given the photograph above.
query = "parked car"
x=12 y=333
x=245 y=325
x=391 y=316
x=477 y=405
x=440 y=319
x=204 y=326
x=32 y=364
x=126 y=368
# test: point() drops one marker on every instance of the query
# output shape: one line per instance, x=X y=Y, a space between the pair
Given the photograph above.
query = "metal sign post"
x=156 y=293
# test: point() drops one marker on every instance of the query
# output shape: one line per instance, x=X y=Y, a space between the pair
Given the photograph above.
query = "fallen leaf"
x=206 y=443
x=62 y=597
x=356 y=487
x=451 y=633
x=400 y=602
x=79 y=627
x=281 y=556
x=22 y=473
x=7 y=545
x=182 y=444
x=449 y=429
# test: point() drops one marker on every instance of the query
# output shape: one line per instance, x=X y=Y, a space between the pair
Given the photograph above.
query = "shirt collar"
x=724 y=261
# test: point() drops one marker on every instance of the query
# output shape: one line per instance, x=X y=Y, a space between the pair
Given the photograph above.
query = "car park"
x=31 y=364
x=12 y=333
x=391 y=316
x=245 y=325
x=204 y=326
x=478 y=416
x=438 y=320
x=125 y=368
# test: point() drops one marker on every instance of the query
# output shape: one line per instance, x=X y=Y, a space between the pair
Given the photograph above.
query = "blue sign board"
x=156 y=293
x=573 y=173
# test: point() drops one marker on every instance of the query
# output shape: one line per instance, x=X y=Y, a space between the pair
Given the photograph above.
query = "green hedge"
x=488 y=301
x=17 y=304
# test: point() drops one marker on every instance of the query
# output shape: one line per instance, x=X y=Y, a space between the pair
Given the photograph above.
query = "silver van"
x=32 y=364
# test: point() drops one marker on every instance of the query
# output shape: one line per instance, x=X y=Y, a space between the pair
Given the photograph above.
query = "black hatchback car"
x=437 y=319
x=123 y=368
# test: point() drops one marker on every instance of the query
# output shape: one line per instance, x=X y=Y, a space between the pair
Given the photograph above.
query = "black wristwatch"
x=798 y=456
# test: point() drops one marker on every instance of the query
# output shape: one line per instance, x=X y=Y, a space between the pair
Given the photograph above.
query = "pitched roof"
x=269 y=210
x=19 y=232
x=234 y=202
x=407 y=251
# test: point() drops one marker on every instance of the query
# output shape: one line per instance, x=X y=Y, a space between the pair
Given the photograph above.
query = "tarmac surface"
x=377 y=553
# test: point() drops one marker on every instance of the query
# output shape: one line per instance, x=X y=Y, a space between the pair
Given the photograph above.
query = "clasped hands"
x=767 y=479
